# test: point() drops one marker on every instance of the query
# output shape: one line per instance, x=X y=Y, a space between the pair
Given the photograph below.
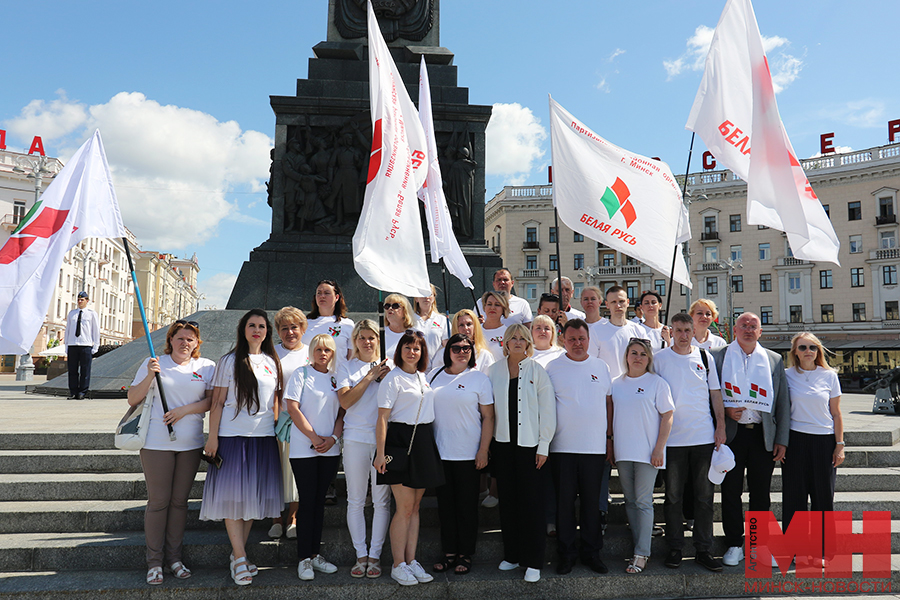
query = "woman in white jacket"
x=525 y=420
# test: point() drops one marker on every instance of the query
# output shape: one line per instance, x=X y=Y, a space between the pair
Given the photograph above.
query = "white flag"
x=734 y=111
x=388 y=249
x=78 y=204
x=440 y=229
x=629 y=202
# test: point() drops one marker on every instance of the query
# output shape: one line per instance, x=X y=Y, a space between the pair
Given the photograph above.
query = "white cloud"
x=603 y=85
x=785 y=67
x=868 y=112
x=217 y=289
x=167 y=161
x=617 y=52
x=513 y=138
x=837 y=150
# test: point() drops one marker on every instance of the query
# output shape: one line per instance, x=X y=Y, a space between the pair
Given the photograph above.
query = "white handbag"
x=131 y=433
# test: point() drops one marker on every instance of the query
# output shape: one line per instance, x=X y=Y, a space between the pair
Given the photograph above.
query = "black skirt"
x=425 y=468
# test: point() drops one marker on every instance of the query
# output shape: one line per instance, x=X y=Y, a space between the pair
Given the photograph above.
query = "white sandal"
x=359 y=569
x=254 y=570
x=240 y=572
x=155 y=575
x=637 y=564
x=179 y=570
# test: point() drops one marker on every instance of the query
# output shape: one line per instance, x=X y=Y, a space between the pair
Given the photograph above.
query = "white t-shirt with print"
x=243 y=424
x=494 y=340
x=359 y=420
x=638 y=404
x=318 y=399
x=341 y=331
x=519 y=311
x=457 y=418
x=581 y=388
x=608 y=343
x=291 y=360
x=402 y=392
x=712 y=341
x=692 y=423
x=436 y=329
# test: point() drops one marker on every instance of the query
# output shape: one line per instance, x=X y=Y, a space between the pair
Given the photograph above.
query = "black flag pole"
x=140 y=303
x=687 y=172
x=475 y=302
x=446 y=291
x=381 y=324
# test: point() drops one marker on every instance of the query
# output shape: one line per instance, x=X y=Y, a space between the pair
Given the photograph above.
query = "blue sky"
x=180 y=91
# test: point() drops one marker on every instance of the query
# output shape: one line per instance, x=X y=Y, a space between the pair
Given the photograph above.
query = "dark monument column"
x=320 y=162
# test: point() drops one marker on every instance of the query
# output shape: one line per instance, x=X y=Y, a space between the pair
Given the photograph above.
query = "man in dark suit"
x=757 y=438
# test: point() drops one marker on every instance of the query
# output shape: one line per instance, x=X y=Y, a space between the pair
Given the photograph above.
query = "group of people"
x=527 y=397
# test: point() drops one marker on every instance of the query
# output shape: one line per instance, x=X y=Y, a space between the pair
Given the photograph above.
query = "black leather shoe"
x=597 y=566
x=564 y=566
x=673 y=558
x=79 y=397
x=705 y=559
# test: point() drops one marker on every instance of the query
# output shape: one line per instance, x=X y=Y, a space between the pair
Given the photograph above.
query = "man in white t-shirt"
x=519 y=309
x=578 y=450
x=692 y=377
x=609 y=337
x=568 y=292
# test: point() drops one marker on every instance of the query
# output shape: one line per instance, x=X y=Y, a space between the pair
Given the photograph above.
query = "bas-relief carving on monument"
x=406 y=19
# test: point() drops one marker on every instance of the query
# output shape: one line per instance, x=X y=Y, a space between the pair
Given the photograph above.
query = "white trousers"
x=359 y=471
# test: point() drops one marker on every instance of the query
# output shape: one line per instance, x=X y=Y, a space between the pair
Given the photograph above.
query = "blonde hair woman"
x=543 y=332
x=466 y=323
x=591 y=300
x=704 y=313
x=432 y=323
x=496 y=308
x=398 y=317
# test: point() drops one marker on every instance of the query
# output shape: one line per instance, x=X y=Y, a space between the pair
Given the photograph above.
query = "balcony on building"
x=790 y=261
x=709 y=236
x=532 y=245
x=885 y=220
x=532 y=273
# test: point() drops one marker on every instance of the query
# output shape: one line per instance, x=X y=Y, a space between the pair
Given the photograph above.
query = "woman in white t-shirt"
x=171 y=466
x=641 y=420
x=816 y=444
x=543 y=332
x=704 y=313
x=466 y=323
x=318 y=421
x=659 y=335
x=246 y=486
x=463 y=426
x=398 y=317
x=329 y=315
x=358 y=381
x=496 y=307
x=432 y=323
x=405 y=432
x=290 y=323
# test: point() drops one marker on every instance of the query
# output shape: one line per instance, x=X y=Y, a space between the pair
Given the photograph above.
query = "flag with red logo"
x=78 y=204
x=388 y=248
x=628 y=202
x=735 y=112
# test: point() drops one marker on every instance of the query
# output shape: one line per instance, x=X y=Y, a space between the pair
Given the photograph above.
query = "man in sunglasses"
x=568 y=292
x=82 y=342
x=519 y=309
x=757 y=424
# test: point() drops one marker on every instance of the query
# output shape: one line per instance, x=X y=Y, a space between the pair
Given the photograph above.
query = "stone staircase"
x=71 y=526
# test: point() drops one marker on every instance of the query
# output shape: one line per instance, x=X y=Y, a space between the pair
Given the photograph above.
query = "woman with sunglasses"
x=543 y=331
x=466 y=323
x=246 y=486
x=641 y=419
x=358 y=381
x=432 y=323
x=317 y=424
x=171 y=466
x=329 y=315
x=463 y=426
x=704 y=313
x=405 y=432
x=496 y=308
x=291 y=324
x=816 y=444
x=524 y=424
x=398 y=317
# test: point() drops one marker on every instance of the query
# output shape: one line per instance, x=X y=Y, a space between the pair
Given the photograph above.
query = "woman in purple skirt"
x=246 y=486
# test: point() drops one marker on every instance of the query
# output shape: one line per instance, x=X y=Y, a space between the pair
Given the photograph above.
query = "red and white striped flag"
x=735 y=112
x=388 y=248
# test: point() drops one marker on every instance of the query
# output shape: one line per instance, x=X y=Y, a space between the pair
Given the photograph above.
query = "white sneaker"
x=733 y=556
x=403 y=575
x=320 y=564
x=305 y=570
x=490 y=501
x=532 y=575
x=275 y=531
x=291 y=532
x=419 y=572
x=508 y=566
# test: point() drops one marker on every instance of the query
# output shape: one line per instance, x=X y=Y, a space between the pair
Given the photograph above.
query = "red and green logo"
x=731 y=390
x=615 y=199
x=47 y=222
x=754 y=389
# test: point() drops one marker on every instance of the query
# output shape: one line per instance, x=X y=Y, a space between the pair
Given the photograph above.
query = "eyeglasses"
x=392 y=306
x=415 y=333
x=804 y=348
x=456 y=349
x=192 y=323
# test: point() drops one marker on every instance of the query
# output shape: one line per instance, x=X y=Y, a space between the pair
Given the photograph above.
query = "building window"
x=709 y=224
x=764 y=251
x=765 y=282
x=578 y=237
x=630 y=261
x=712 y=286
x=734 y=223
x=737 y=283
x=631 y=288
x=683 y=290
x=796 y=313
x=711 y=254
x=579 y=261
x=660 y=286
x=859 y=311
x=885 y=207
x=531 y=291
x=737 y=312
x=889 y=274
x=578 y=288
x=857 y=278
x=855 y=244
x=854 y=211
x=825 y=280
x=554 y=262
x=794 y=281
x=891 y=311
x=531 y=262
x=827 y=313
x=827 y=208
x=18 y=211
x=531 y=234
x=765 y=315
x=887 y=239
x=553 y=235
x=609 y=260
x=736 y=253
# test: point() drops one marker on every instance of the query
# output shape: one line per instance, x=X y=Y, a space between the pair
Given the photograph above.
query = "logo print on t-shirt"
x=334 y=331
x=699 y=368
x=195 y=376
x=594 y=378
x=498 y=339
x=460 y=387
x=268 y=371
x=640 y=390
x=333 y=383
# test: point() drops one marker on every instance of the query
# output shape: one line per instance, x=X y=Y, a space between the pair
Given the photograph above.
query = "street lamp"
x=730 y=265
x=589 y=272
